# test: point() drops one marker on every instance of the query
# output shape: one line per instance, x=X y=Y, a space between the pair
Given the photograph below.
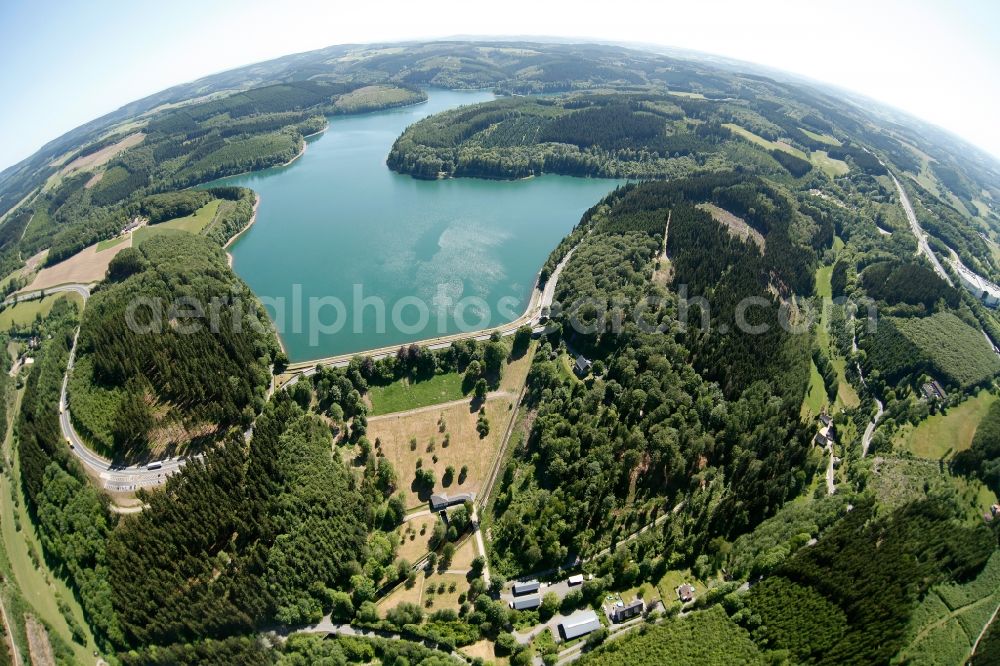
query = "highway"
x=922 y=246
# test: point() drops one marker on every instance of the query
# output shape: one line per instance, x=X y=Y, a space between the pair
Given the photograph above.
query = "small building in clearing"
x=933 y=390
x=582 y=366
x=575 y=580
x=579 y=624
x=685 y=592
x=442 y=501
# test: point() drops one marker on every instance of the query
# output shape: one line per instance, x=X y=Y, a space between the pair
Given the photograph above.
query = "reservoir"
x=349 y=256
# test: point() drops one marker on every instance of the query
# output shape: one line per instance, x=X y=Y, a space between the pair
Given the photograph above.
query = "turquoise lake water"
x=340 y=238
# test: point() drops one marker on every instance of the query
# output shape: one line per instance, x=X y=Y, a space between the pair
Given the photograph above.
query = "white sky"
x=65 y=65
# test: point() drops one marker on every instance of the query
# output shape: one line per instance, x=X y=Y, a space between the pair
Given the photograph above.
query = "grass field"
x=942 y=435
x=101 y=156
x=832 y=167
x=403 y=394
x=823 y=138
x=396 y=430
x=761 y=141
x=815 y=399
x=465 y=447
x=24 y=313
x=111 y=242
x=454 y=586
x=193 y=223
x=39 y=586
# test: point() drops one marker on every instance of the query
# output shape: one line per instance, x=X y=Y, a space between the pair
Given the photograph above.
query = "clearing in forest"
x=86 y=266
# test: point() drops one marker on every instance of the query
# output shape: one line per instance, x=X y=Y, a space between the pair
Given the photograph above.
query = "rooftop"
x=578 y=624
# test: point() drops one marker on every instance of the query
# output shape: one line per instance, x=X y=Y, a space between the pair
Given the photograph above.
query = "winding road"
x=116 y=478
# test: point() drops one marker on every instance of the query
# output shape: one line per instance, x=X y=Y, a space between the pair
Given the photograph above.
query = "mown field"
x=405 y=394
x=26 y=312
x=942 y=435
x=193 y=223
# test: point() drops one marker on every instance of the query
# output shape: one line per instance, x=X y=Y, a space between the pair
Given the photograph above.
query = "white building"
x=981 y=288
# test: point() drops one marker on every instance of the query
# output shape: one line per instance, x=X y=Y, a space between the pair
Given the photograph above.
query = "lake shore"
x=253 y=218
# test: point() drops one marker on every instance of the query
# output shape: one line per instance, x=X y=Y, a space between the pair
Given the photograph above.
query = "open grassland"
x=25 y=312
x=951 y=617
x=414 y=536
x=193 y=223
x=815 y=399
x=823 y=138
x=101 y=156
x=764 y=143
x=434 y=592
x=111 y=242
x=942 y=435
x=405 y=394
x=86 y=266
x=419 y=435
x=39 y=587
x=832 y=167
x=395 y=433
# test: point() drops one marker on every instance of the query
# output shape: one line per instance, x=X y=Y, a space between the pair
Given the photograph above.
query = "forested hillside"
x=703 y=421
x=191 y=359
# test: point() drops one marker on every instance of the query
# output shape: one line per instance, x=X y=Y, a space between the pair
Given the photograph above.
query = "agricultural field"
x=707 y=637
x=103 y=155
x=84 y=267
x=951 y=617
x=26 y=312
x=940 y=436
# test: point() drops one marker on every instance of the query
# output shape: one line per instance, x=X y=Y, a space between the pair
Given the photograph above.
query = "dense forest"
x=655 y=430
x=194 y=354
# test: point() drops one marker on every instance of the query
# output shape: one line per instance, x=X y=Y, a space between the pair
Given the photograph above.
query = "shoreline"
x=253 y=218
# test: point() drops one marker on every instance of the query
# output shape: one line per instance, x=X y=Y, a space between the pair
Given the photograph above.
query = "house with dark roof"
x=627 y=611
x=579 y=624
x=526 y=603
x=685 y=592
x=582 y=366
x=933 y=390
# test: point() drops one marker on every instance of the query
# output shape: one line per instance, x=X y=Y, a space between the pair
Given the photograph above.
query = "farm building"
x=579 y=624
